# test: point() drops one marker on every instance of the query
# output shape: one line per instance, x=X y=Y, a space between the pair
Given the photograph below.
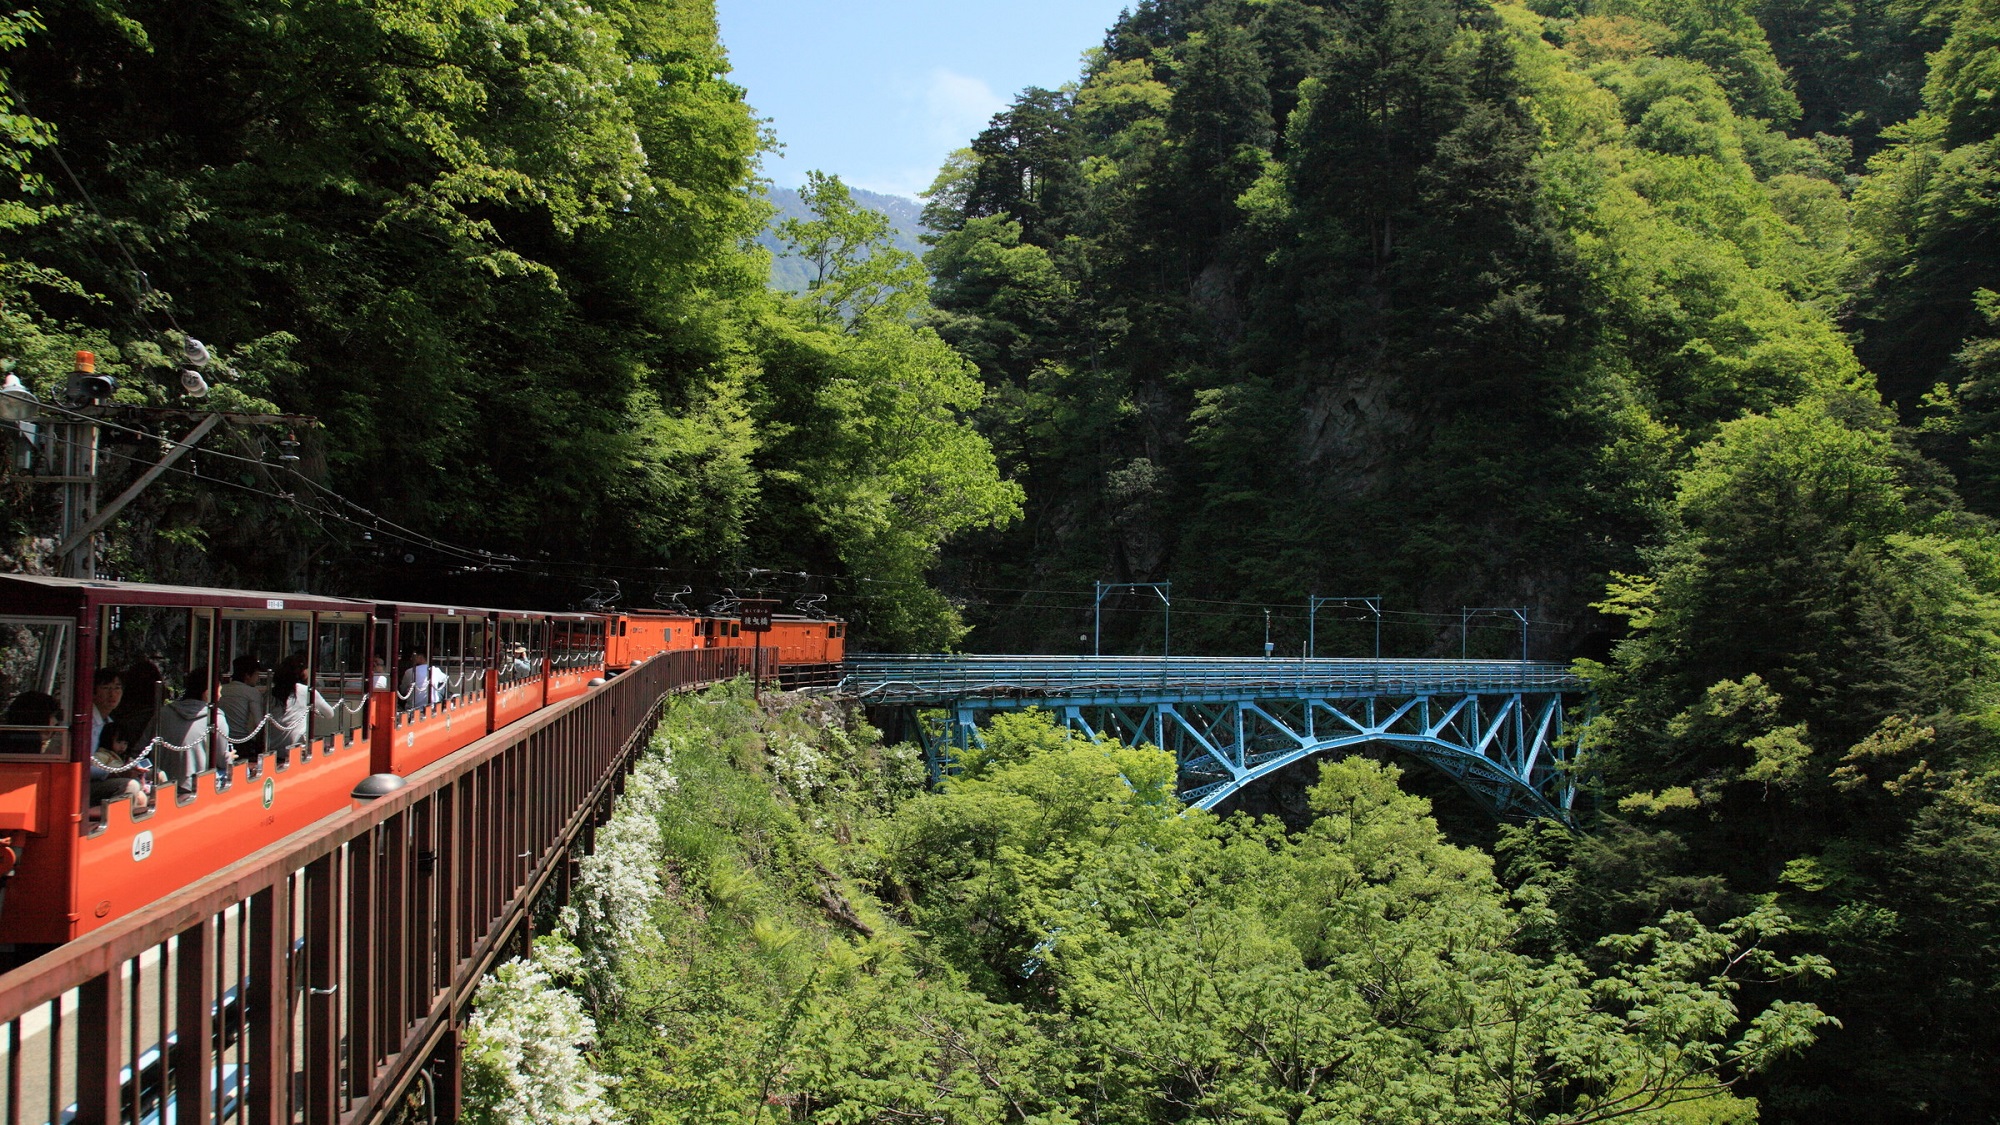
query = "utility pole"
x=1163 y=589
x=1467 y=613
x=1267 y=634
x=1371 y=603
x=74 y=454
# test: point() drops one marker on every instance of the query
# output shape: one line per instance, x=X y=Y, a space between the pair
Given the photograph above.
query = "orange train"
x=390 y=687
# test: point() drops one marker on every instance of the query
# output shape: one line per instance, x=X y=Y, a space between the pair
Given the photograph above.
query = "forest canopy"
x=504 y=253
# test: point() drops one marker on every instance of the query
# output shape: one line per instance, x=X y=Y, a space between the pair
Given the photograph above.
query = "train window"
x=35 y=697
x=340 y=675
x=265 y=639
x=521 y=649
x=448 y=654
x=735 y=628
x=154 y=648
x=476 y=656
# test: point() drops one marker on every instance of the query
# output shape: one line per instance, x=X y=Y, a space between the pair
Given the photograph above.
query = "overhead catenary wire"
x=374 y=523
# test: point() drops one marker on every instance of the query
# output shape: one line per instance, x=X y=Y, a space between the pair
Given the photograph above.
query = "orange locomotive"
x=809 y=648
x=360 y=688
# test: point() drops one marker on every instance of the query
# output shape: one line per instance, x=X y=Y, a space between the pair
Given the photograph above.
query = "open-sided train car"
x=393 y=687
x=388 y=687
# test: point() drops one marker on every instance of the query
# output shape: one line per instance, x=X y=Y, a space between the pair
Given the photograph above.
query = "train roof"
x=190 y=595
x=152 y=592
x=697 y=614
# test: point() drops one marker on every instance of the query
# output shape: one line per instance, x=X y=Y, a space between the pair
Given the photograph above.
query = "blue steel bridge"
x=1494 y=726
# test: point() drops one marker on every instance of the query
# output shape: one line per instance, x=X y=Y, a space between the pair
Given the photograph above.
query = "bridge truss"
x=1495 y=727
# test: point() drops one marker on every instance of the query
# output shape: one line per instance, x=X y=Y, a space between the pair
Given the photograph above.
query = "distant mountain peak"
x=906 y=219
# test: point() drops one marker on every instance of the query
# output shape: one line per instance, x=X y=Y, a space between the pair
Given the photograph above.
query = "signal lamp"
x=85 y=384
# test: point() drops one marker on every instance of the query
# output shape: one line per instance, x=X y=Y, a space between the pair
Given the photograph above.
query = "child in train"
x=114 y=773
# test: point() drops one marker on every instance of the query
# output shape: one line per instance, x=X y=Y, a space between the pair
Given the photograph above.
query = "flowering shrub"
x=610 y=915
x=526 y=1060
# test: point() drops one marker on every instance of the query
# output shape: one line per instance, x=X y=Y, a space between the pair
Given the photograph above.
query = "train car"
x=71 y=864
x=810 y=649
x=807 y=640
x=633 y=637
x=390 y=688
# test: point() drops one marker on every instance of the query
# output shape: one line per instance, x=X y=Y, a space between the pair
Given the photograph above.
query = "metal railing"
x=316 y=980
x=942 y=678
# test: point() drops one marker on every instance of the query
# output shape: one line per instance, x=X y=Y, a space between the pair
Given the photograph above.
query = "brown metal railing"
x=318 y=979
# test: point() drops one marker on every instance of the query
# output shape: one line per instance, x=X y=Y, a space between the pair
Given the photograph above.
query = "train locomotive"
x=387 y=688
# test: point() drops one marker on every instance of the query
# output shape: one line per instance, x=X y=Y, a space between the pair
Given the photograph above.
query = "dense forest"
x=504 y=254
x=1678 y=323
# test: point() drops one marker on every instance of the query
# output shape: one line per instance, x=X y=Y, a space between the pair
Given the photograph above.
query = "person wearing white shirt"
x=423 y=683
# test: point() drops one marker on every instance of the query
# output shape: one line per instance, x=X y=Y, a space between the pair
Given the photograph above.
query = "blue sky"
x=880 y=92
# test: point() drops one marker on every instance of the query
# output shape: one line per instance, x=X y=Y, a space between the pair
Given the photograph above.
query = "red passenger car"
x=376 y=688
x=392 y=688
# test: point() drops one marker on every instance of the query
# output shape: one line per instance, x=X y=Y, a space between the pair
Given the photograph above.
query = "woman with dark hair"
x=293 y=703
x=30 y=709
x=138 y=714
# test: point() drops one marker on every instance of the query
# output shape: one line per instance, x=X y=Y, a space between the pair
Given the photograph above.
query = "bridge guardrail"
x=942 y=677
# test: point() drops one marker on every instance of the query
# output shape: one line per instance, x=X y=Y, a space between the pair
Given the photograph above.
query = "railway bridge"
x=1494 y=726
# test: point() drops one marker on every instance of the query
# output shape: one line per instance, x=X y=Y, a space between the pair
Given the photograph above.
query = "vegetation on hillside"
x=503 y=251
x=776 y=922
x=1677 y=322
x=1580 y=306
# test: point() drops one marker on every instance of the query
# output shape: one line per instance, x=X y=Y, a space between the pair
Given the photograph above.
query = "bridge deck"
x=943 y=679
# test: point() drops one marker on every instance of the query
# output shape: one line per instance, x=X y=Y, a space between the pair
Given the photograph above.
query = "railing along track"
x=367 y=933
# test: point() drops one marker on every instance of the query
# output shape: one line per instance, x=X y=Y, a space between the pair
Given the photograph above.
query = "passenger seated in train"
x=244 y=705
x=114 y=773
x=31 y=709
x=423 y=682
x=106 y=692
x=518 y=667
x=293 y=704
x=181 y=748
x=138 y=716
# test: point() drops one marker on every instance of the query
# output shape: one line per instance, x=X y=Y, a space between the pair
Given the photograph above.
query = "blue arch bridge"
x=1494 y=726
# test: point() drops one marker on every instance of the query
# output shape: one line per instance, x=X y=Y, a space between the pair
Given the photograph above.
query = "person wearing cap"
x=518 y=667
